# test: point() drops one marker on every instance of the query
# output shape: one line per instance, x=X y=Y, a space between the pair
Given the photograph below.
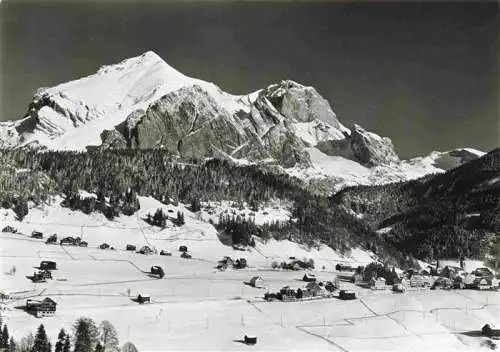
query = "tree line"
x=116 y=177
x=87 y=337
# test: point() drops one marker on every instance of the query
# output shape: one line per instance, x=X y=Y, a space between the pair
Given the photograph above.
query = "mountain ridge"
x=142 y=102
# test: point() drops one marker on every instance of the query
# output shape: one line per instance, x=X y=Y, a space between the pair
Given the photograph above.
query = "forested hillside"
x=448 y=215
x=117 y=177
x=453 y=214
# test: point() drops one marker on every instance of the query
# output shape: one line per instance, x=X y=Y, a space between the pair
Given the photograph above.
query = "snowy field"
x=196 y=307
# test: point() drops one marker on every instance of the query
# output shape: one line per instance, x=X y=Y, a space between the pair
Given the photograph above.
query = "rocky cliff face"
x=189 y=122
x=363 y=147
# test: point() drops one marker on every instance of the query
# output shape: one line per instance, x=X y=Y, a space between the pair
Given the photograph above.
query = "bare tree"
x=108 y=337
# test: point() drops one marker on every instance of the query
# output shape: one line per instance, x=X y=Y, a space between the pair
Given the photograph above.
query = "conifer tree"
x=41 y=343
x=67 y=344
x=12 y=345
x=179 y=221
x=1 y=335
x=99 y=347
x=61 y=338
x=129 y=347
x=86 y=335
x=5 y=337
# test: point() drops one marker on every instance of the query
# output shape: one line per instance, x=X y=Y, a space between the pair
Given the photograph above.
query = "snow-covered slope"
x=196 y=307
x=449 y=159
x=197 y=233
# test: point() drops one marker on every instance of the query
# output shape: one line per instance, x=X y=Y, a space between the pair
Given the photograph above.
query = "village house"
x=442 y=282
x=250 y=339
x=44 y=308
x=130 y=247
x=287 y=294
x=313 y=289
x=458 y=282
x=158 y=271
x=347 y=295
x=256 y=281
x=145 y=250
x=52 y=239
x=357 y=279
x=308 y=277
x=417 y=280
x=4 y=296
x=225 y=262
x=240 y=263
x=482 y=284
x=468 y=281
x=398 y=288
x=142 y=298
x=9 y=228
x=451 y=271
x=341 y=267
x=67 y=240
x=36 y=234
x=47 y=265
x=186 y=255
x=270 y=296
x=483 y=272
x=41 y=276
x=377 y=284
x=330 y=286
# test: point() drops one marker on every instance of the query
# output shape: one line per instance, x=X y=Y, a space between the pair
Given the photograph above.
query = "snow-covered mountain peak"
x=143 y=102
x=72 y=115
x=147 y=59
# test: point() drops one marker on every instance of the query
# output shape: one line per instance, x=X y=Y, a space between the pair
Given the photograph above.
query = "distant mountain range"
x=143 y=103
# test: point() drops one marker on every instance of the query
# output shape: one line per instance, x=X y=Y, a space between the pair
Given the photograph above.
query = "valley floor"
x=195 y=307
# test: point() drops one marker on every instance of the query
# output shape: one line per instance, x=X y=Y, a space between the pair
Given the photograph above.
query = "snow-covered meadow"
x=197 y=307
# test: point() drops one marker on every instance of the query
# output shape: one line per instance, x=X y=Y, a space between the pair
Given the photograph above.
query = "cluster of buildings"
x=226 y=262
x=449 y=277
x=45 y=307
x=312 y=289
x=294 y=264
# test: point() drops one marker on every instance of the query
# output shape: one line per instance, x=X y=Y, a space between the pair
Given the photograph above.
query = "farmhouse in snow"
x=347 y=295
x=44 y=308
x=309 y=277
x=250 y=339
x=378 y=284
x=41 y=276
x=36 y=234
x=313 y=289
x=48 y=265
x=482 y=284
x=256 y=281
x=142 y=298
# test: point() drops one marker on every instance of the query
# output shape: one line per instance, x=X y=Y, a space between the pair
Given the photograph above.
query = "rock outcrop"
x=363 y=147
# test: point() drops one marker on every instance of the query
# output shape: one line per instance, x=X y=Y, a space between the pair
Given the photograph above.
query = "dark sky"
x=424 y=74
